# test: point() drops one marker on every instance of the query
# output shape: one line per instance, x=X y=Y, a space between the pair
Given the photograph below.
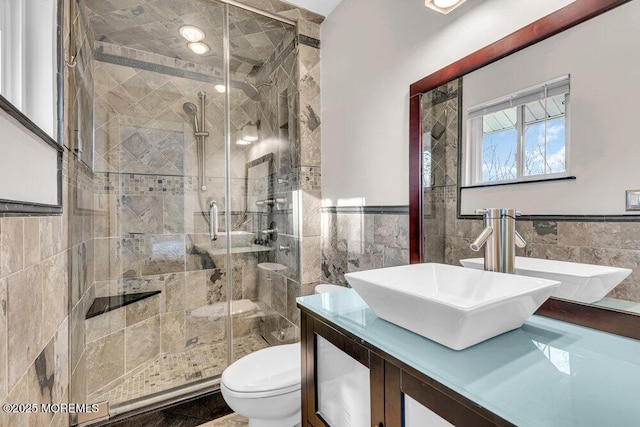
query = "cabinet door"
x=414 y=402
x=344 y=381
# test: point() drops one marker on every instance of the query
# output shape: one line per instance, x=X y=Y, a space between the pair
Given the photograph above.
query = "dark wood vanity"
x=389 y=380
x=359 y=370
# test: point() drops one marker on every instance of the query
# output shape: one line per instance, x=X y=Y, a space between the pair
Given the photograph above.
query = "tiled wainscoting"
x=33 y=317
x=356 y=239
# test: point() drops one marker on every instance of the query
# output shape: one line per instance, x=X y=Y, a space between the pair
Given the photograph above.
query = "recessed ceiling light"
x=220 y=88
x=191 y=33
x=199 y=47
x=443 y=6
x=241 y=141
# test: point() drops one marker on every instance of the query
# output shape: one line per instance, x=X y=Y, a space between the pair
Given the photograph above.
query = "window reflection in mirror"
x=519 y=137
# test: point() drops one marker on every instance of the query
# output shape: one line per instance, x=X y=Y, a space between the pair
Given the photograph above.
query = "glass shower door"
x=158 y=271
x=185 y=140
x=263 y=181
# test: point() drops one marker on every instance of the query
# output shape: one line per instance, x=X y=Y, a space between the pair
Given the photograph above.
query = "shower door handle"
x=213 y=220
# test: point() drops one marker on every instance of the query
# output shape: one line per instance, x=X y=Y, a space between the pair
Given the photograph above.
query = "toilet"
x=264 y=386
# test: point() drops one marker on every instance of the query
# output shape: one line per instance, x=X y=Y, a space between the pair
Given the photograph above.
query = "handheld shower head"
x=191 y=110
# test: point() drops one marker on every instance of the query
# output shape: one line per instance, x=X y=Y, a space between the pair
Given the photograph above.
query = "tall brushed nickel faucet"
x=499 y=239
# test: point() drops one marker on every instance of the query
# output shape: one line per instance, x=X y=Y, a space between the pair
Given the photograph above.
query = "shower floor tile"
x=174 y=370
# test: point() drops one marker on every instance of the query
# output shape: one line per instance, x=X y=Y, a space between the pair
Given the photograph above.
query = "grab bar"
x=213 y=220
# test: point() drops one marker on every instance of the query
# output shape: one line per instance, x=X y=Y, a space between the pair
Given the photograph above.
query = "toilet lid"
x=270 y=369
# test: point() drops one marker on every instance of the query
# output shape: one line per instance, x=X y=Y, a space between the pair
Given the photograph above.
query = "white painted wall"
x=322 y=7
x=372 y=50
x=28 y=166
x=602 y=122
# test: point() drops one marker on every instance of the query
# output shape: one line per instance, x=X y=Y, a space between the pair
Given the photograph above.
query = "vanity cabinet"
x=347 y=382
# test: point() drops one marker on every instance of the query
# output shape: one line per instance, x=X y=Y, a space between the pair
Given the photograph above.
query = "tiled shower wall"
x=277 y=115
x=136 y=108
x=150 y=231
x=447 y=238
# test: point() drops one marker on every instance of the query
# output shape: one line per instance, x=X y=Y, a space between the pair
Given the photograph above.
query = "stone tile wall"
x=150 y=232
x=354 y=241
x=309 y=131
x=33 y=316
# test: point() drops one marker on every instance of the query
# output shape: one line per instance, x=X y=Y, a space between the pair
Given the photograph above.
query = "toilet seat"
x=269 y=372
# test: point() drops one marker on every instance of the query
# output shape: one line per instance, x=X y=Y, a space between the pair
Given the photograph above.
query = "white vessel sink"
x=586 y=283
x=454 y=306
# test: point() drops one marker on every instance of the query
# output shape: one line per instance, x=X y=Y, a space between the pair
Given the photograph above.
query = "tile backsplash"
x=356 y=241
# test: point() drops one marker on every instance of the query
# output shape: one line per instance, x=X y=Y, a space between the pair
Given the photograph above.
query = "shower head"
x=192 y=111
x=190 y=108
x=251 y=90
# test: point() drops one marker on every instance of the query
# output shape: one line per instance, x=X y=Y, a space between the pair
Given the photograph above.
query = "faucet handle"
x=482 y=211
x=518 y=213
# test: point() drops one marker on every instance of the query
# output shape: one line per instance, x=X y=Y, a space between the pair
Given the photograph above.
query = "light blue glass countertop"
x=546 y=373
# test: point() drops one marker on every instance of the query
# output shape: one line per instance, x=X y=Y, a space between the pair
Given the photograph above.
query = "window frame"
x=518 y=100
x=15 y=112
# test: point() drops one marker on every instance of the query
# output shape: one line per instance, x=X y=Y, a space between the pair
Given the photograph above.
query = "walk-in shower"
x=172 y=306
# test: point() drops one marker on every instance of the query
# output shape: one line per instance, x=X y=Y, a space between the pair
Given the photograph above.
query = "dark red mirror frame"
x=608 y=320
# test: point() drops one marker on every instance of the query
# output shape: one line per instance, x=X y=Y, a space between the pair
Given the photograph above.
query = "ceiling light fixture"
x=199 y=47
x=191 y=33
x=443 y=6
x=220 y=88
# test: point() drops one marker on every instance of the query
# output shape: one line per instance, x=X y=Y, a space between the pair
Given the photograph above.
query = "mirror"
x=29 y=82
x=572 y=215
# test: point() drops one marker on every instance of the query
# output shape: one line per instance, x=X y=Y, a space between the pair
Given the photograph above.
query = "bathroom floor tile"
x=232 y=420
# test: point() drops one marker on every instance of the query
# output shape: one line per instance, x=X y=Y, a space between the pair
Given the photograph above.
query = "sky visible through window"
x=541 y=157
